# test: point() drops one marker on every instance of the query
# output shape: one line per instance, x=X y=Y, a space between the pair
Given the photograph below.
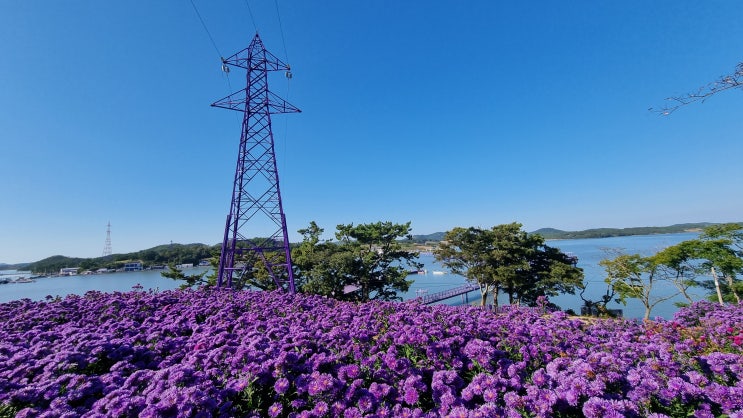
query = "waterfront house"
x=136 y=266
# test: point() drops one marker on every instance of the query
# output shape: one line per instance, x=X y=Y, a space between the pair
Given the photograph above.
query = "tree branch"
x=727 y=82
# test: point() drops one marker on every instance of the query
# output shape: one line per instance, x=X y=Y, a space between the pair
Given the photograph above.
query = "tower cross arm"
x=256 y=57
x=235 y=101
x=278 y=105
x=238 y=100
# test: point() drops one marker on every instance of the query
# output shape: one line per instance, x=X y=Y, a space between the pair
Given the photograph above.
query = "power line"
x=214 y=44
x=281 y=29
x=288 y=73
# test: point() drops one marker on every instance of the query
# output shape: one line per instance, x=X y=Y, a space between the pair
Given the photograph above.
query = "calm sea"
x=588 y=251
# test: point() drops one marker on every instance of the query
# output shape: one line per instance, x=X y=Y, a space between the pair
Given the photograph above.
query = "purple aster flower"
x=326 y=381
x=384 y=411
x=321 y=409
x=379 y=390
x=275 y=410
x=411 y=395
x=490 y=395
x=281 y=385
x=315 y=387
x=366 y=402
x=540 y=378
x=489 y=382
x=571 y=396
x=513 y=400
x=337 y=408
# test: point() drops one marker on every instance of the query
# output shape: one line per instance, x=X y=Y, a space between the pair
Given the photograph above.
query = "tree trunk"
x=686 y=295
x=717 y=285
x=484 y=295
x=682 y=287
x=732 y=289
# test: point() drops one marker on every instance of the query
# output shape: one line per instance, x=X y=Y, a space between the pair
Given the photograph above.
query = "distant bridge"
x=446 y=294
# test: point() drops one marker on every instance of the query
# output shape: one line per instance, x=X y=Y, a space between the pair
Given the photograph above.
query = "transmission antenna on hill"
x=107 y=245
x=256 y=199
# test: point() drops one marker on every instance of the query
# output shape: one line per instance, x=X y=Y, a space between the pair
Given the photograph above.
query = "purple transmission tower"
x=256 y=199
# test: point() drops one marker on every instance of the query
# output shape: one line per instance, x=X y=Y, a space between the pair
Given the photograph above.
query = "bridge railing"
x=446 y=294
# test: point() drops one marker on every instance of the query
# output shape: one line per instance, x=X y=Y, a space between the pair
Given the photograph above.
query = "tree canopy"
x=720 y=249
x=506 y=259
x=366 y=263
x=633 y=276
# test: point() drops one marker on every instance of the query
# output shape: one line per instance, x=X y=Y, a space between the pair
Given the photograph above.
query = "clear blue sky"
x=442 y=113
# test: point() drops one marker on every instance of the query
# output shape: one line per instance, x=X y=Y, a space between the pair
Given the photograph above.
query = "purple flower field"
x=221 y=353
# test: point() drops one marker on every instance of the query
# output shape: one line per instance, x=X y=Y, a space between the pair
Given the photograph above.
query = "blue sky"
x=442 y=113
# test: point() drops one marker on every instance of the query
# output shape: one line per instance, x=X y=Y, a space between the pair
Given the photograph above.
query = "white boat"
x=439 y=272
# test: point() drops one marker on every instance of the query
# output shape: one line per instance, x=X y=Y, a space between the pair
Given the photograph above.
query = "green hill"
x=162 y=254
x=422 y=239
x=551 y=233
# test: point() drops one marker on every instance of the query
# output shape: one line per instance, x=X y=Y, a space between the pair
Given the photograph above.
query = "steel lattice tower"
x=256 y=198
x=107 y=245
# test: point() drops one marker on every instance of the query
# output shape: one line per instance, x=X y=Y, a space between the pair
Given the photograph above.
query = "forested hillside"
x=551 y=233
x=162 y=254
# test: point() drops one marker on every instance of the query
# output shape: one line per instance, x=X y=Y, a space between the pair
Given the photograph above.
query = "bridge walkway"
x=450 y=293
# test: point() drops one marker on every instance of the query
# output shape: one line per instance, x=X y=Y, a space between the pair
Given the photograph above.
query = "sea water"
x=62 y=286
x=589 y=252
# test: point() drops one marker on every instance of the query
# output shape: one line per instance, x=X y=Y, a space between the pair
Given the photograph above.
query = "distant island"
x=193 y=253
x=552 y=233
